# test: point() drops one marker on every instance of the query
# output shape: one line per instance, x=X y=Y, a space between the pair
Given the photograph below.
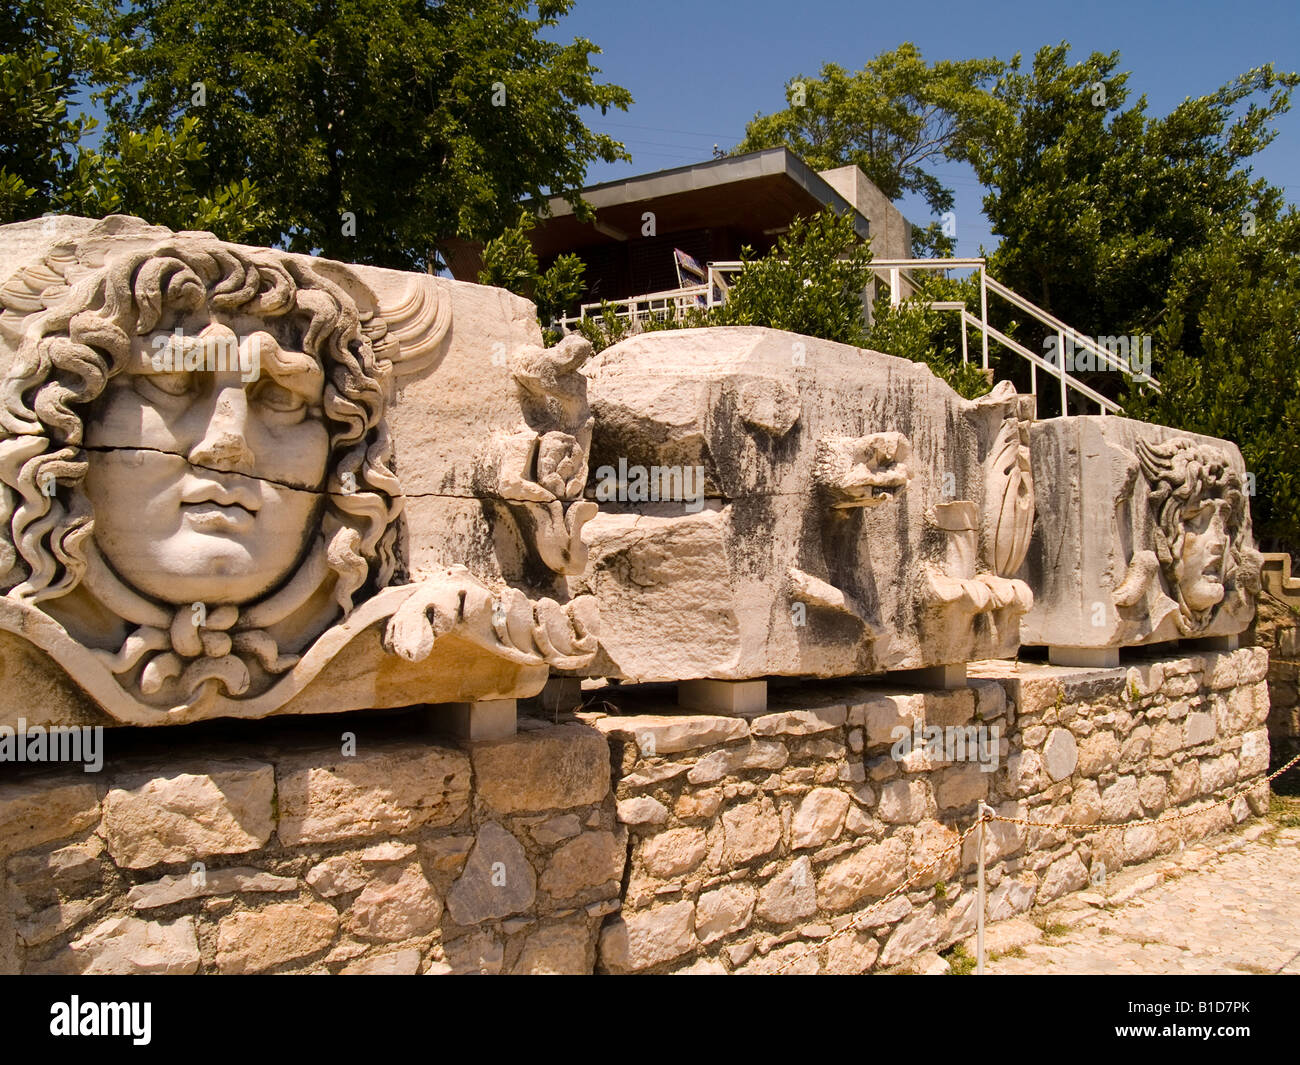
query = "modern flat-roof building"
x=708 y=210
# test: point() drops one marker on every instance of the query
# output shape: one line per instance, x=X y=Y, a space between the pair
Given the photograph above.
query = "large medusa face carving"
x=208 y=422
x=1200 y=512
x=206 y=472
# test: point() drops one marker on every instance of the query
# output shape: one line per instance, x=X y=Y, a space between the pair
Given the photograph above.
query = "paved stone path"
x=1229 y=905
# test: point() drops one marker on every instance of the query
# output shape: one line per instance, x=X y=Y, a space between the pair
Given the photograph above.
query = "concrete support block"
x=1214 y=643
x=948 y=676
x=561 y=695
x=489 y=719
x=1084 y=657
x=723 y=696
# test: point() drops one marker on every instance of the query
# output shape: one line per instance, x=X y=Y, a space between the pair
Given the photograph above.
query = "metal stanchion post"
x=985 y=811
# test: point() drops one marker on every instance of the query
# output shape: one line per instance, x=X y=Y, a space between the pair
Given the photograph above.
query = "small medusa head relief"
x=1201 y=529
x=197 y=476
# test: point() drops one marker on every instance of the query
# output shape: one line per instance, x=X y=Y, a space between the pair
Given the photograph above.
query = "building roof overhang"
x=760 y=190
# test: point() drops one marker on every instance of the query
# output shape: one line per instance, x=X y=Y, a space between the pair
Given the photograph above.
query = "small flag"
x=687 y=265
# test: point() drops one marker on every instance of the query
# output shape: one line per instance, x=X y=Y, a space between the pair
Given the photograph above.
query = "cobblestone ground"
x=1229 y=905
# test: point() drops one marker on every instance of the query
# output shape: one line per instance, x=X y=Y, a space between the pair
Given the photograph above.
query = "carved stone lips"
x=221 y=495
x=212 y=518
x=215 y=507
x=870 y=487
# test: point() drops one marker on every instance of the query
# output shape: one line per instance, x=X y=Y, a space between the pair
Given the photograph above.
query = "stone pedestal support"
x=1215 y=643
x=561 y=695
x=949 y=676
x=488 y=719
x=723 y=696
x=1084 y=657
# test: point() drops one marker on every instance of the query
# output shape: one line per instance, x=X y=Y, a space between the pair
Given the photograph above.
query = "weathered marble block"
x=1146 y=538
x=852 y=513
x=238 y=482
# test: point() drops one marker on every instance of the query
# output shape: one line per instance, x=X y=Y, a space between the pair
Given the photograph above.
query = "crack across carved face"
x=196 y=447
x=1200 y=510
x=204 y=481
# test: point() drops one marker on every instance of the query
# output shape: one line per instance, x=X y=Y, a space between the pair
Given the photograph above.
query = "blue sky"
x=699 y=71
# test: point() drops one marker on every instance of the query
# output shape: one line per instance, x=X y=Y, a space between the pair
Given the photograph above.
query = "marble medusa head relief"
x=201 y=503
x=1147 y=537
x=1203 y=560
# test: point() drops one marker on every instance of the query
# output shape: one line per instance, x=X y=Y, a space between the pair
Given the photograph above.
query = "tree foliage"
x=913 y=331
x=50 y=53
x=893 y=119
x=1095 y=199
x=373 y=129
x=1124 y=223
x=810 y=282
x=57 y=57
x=1230 y=360
x=509 y=262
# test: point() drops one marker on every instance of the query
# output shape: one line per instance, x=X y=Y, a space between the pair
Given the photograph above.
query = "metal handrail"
x=1108 y=406
x=897 y=272
x=1063 y=330
x=678 y=299
x=676 y=302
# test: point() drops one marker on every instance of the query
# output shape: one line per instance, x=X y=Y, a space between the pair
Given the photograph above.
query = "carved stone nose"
x=223 y=450
x=224 y=445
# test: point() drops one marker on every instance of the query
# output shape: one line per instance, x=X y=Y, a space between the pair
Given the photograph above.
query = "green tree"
x=56 y=58
x=893 y=119
x=1230 y=340
x=374 y=129
x=913 y=331
x=811 y=282
x=1095 y=199
x=509 y=262
x=50 y=54
x=155 y=174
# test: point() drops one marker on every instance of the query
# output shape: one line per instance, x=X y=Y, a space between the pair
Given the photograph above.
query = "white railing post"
x=965 y=355
x=984 y=318
x=895 y=296
x=1060 y=370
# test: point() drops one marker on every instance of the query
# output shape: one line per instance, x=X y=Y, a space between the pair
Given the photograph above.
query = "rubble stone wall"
x=408 y=856
x=753 y=842
x=725 y=844
x=1277 y=630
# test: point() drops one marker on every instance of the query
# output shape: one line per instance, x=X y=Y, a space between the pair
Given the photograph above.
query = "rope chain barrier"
x=1162 y=819
x=859 y=923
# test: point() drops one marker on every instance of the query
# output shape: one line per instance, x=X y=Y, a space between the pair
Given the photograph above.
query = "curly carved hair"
x=68 y=356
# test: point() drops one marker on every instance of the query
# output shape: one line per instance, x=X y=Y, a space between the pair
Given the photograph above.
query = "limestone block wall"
x=725 y=844
x=1277 y=630
x=755 y=841
x=410 y=856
